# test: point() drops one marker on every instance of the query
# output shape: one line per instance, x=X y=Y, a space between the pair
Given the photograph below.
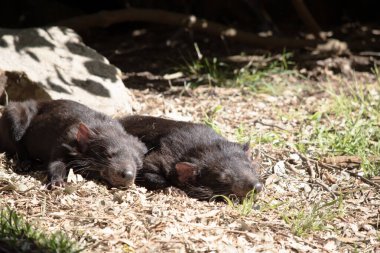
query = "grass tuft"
x=210 y=118
x=244 y=207
x=349 y=126
x=17 y=235
x=314 y=218
x=273 y=137
x=269 y=77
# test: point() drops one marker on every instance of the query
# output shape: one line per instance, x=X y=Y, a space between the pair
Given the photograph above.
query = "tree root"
x=107 y=18
x=308 y=19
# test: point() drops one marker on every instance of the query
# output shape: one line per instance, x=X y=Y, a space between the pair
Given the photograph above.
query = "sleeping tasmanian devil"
x=193 y=158
x=65 y=134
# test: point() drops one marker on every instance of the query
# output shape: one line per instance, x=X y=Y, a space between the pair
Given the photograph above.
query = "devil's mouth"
x=116 y=181
x=240 y=193
x=119 y=183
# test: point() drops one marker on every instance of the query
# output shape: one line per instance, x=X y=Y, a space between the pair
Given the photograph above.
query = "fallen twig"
x=300 y=240
x=323 y=185
x=365 y=180
x=330 y=166
x=269 y=125
x=309 y=165
x=348 y=161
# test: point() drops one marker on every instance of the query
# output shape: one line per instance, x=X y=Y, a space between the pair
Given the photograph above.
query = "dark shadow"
x=84 y=51
x=32 y=55
x=101 y=69
x=164 y=50
x=3 y=43
x=57 y=87
x=143 y=82
x=60 y=76
x=35 y=170
x=27 y=39
x=92 y=87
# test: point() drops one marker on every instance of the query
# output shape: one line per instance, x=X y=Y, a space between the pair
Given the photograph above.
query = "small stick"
x=365 y=180
x=324 y=186
x=269 y=125
x=310 y=166
x=329 y=166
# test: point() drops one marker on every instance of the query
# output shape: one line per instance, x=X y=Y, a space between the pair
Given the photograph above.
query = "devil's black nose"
x=128 y=175
x=258 y=187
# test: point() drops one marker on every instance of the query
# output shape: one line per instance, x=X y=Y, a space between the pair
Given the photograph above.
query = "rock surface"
x=53 y=63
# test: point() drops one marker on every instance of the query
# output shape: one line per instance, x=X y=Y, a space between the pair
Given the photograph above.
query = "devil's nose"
x=128 y=175
x=258 y=187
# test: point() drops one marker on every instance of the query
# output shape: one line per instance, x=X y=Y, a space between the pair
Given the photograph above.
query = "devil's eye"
x=110 y=154
x=222 y=177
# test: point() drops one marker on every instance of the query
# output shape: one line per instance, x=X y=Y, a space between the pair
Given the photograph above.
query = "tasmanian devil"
x=192 y=157
x=65 y=134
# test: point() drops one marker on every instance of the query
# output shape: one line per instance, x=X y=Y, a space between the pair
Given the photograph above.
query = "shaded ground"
x=147 y=53
x=304 y=207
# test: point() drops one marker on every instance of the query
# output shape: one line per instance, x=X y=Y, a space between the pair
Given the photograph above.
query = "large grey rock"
x=53 y=63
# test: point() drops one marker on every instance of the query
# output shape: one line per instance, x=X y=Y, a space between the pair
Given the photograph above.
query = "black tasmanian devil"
x=65 y=134
x=192 y=157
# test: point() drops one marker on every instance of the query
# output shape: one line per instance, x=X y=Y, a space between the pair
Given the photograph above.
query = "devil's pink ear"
x=83 y=136
x=186 y=171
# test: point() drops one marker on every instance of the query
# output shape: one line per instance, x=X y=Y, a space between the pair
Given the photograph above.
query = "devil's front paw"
x=24 y=166
x=56 y=183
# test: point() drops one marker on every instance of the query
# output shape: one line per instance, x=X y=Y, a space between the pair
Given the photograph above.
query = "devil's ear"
x=143 y=148
x=186 y=171
x=83 y=136
x=247 y=149
x=246 y=146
